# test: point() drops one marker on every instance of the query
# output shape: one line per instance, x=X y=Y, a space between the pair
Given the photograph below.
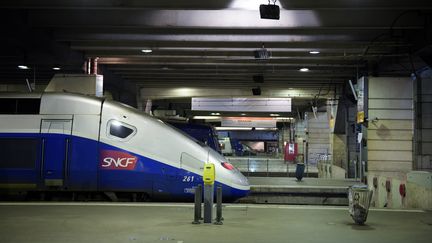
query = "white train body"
x=74 y=142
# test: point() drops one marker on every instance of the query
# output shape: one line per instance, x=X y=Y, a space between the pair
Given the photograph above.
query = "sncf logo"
x=117 y=160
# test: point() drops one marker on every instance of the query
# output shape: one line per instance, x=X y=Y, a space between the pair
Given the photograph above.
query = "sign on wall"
x=242 y=104
x=266 y=122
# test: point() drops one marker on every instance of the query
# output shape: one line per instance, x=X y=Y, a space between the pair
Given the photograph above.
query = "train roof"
x=61 y=103
x=20 y=95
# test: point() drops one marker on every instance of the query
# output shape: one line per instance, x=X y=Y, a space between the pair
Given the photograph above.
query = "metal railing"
x=265 y=166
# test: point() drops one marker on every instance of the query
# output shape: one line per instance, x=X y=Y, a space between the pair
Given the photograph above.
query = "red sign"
x=291 y=151
x=117 y=160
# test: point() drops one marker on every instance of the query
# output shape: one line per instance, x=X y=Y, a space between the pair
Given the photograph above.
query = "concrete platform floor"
x=130 y=222
x=304 y=183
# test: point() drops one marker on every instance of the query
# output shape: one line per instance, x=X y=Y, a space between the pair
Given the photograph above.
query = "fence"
x=265 y=166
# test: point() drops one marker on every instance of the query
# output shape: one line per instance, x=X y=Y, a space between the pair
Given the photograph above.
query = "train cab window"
x=120 y=131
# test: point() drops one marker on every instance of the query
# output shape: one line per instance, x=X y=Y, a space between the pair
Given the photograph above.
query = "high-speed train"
x=70 y=142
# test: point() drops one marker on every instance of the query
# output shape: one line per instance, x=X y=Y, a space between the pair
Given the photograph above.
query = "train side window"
x=120 y=130
x=18 y=153
x=19 y=106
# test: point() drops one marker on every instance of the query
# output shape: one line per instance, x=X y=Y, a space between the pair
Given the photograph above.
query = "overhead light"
x=23 y=67
x=56 y=68
x=274 y=114
x=314 y=52
x=215 y=114
x=283 y=118
x=146 y=50
x=245 y=128
x=304 y=69
x=233 y=128
x=206 y=117
x=270 y=11
x=243 y=114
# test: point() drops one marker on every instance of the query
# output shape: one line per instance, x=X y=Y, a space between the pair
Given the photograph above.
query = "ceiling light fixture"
x=146 y=50
x=56 y=68
x=206 y=117
x=314 y=52
x=245 y=128
x=304 y=69
x=243 y=114
x=23 y=67
x=274 y=114
x=215 y=114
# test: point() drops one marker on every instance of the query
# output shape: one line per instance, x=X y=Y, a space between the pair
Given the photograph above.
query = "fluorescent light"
x=245 y=128
x=314 y=52
x=146 y=50
x=23 y=67
x=233 y=128
x=206 y=117
x=245 y=4
x=274 y=114
x=304 y=69
x=215 y=114
x=284 y=119
x=56 y=68
x=243 y=114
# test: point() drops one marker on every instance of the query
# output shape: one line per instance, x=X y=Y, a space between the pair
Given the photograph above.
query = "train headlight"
x=228 y=166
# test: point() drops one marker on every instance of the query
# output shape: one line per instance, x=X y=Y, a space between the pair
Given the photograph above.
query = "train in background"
x=201 y=132
x=66 y=142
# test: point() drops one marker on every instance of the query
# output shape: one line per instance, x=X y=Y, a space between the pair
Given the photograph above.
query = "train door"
x=188 y=180
x=56 y=135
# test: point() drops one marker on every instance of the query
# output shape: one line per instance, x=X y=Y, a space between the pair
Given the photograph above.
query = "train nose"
x=243 y=184
x=243 y=180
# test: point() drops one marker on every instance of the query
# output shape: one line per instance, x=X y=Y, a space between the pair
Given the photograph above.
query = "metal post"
x=208 y=203
x=359 y=164
x=219 y=206
x=197 y=208
x=355 y=169
x=248 y=165
x=267 y=167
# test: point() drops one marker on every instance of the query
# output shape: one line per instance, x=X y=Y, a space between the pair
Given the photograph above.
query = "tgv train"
x=70 y=142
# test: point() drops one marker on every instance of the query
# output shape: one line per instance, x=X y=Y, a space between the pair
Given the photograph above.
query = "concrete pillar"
x=148 y=106
x=389 y=138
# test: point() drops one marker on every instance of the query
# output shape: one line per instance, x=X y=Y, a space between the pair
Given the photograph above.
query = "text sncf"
x=116 y=160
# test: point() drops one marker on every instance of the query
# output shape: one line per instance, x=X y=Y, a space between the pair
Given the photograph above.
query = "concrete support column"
x=92 y=65
x=284 y=137
x=148 y=106
x=390 y=139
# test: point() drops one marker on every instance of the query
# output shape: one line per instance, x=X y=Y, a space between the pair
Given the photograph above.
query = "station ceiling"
x=211 y=44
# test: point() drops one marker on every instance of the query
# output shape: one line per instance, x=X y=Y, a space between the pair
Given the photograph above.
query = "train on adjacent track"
x=63 y=142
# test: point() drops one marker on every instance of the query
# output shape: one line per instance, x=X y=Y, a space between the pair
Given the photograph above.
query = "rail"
x=266 y=166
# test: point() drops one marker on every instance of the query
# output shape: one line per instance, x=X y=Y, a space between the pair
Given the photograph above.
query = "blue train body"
x=86 y=153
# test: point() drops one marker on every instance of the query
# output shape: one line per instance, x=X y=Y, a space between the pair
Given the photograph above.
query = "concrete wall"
x=318 y=138
x=389 y=138
x=338 y=149
x=300 y=135
x=284 y=137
